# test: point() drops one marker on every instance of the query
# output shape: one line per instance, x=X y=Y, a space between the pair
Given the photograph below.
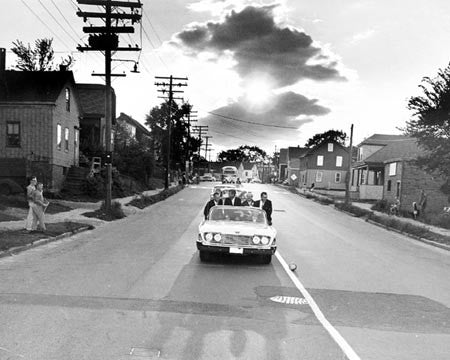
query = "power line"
x=59 y=24
x=43 y=23
x=151 y=25
x=65 y=19
x=251 y=122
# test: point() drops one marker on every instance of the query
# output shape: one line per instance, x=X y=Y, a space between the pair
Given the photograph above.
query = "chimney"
x=2 y=59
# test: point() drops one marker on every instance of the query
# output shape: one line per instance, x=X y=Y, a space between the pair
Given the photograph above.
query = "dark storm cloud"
x=285 y=112
x=259 y=44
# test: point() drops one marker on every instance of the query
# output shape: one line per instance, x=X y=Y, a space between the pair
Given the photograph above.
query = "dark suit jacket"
x=209 y=205
x=237 y=201
x=267 y=207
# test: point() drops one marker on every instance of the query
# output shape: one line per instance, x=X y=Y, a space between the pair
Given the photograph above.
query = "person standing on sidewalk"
x=39 y=206
x=30 y=190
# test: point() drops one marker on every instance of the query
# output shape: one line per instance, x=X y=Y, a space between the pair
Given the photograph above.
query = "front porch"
x=368 y=181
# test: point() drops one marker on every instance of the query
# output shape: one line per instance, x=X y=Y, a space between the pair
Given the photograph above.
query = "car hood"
x=241 y=228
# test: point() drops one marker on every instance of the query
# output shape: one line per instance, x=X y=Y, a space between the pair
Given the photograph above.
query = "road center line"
x=337 y=337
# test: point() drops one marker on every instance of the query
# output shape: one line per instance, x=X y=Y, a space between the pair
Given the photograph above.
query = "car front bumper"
x=245 y=250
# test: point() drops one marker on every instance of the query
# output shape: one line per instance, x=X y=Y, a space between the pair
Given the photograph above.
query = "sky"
x=265 y=73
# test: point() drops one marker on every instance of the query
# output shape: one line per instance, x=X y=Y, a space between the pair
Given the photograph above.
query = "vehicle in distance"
x=255 y=181
x=224 y=189
x=229 y=174
x=236 y=230
x=207 y=177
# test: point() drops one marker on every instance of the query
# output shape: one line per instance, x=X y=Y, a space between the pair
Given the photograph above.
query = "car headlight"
x=265 y=240
x=256 y=240
x=217 y=237
x=208 y=236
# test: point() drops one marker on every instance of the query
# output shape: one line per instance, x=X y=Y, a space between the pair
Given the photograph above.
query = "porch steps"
x=75 y=179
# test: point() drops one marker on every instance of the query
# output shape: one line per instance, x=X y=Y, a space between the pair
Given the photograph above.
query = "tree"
x=39 y=58
x=431 y=122
x=132 y=157
x=331 y=135
x=180 y=143
x=242 y=153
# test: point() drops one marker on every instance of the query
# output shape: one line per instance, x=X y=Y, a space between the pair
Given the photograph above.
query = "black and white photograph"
x=225 y=180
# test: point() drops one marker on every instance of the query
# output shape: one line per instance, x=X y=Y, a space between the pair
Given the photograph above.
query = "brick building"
x=325 y=165
x=39 y=125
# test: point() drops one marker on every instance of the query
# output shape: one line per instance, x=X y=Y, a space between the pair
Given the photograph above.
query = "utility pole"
x=349 y=169
x=105 y=39
x=191 y=117
x=200 y=129
x=206 y=145
x=168 y=87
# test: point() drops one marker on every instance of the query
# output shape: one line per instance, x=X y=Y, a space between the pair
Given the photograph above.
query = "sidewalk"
x=78 y=209
x=435 y=229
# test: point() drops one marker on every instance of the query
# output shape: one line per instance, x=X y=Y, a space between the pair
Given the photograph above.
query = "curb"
x=19 y=249
x=426 y=241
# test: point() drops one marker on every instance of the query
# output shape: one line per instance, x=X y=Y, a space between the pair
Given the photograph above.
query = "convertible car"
x=236 y=230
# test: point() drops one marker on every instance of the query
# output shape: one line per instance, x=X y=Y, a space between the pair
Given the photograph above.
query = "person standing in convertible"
x=265 y=205
x=216 y=200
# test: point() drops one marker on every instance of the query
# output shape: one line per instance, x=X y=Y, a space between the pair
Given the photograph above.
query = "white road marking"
x=337 y=337
x=289 y=300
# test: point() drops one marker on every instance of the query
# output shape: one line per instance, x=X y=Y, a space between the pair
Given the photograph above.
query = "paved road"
x=135 y=289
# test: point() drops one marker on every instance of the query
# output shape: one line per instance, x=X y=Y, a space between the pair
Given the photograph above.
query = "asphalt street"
x=135 y=289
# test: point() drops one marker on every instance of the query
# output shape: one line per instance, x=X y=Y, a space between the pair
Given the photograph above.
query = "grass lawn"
x=13 y=238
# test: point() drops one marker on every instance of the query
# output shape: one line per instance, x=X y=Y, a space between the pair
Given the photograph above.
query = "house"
x=247 y=171
x=39 y=125
x=325 y=166
x=134 y=127
x=392 y=172
x=368 y=171
x=293 y=155
x=92 y=118
x=282 y=164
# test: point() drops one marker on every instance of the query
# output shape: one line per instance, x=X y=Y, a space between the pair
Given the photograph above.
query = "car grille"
x=236 y=239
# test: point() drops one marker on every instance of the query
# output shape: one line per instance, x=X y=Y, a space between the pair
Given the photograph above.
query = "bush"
x=355 y=210
x=441 y=220
x=143 y=201
x=381 y=205
x=324 y=200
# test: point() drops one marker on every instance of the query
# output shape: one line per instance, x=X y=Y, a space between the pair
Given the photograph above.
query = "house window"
x=397 y=190
x=58 y=136
x=389 y=185
x=392 y=169
x=319 y=160
x=66 y=139
x=330 y=147
x=13 y=134
x=338 y=161
x=363 y=177
x=67 y=99
x=360 y=154
x=337 y=177
x=319 y=176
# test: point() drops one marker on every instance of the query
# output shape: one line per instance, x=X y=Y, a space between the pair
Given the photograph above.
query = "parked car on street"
x=207 y=177
x=236 y=230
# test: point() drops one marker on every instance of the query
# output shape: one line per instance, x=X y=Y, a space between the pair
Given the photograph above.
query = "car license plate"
x=236 y=250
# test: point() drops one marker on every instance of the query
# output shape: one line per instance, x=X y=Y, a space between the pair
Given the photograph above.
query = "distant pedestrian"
x=39 y=206
x=30 y=189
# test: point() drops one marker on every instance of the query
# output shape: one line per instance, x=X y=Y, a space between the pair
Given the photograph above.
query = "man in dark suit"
x=266 y=205
x=216 y=200
x=232 y=199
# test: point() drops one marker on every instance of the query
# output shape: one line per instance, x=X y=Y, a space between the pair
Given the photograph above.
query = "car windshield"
x=242 y=214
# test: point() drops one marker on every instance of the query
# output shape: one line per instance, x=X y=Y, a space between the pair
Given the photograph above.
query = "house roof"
x=283 y=156
x=314 y=148
x=133 y=122
x=33 y=86
x=382 y=139
x=296 y=152
x=92 y=100
x=247 y=165
x=400 y=149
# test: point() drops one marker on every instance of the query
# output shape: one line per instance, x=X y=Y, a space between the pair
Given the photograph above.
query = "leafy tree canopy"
x=181 y=143
x=39 y=58
x=242 y=153
x=331 y=135
x=431 y=122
